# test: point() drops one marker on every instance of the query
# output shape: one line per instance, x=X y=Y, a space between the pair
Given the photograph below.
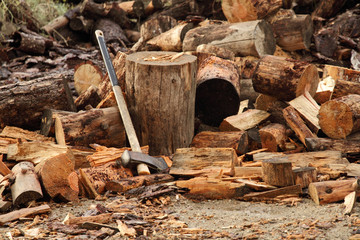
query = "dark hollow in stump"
x=160 y=94
x=340 y=117
x=283 y=78
x=217 y=92
x=26 y=187
x=277 y=172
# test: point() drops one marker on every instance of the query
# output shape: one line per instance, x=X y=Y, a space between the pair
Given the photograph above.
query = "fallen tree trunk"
x=342 y=145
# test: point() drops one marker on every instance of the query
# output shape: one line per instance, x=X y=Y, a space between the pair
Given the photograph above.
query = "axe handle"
x=124 y=112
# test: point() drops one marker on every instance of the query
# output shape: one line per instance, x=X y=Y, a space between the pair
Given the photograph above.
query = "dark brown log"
x=132 y=35
x=24 y=212
x=102 y=126
x=343 y=88
x=295 y=122
x=292 y=32
x=26 y=187
x=236 y=140
x=30 y=43
x=253 y=38
x=248 y=10
x=285 y=78
x=217 y=90
x=181 y=9
x=331 y=191
x=343 y=145
x=340 y=117
x=304 y=176
x=81 y=24
x=328 y=8
x=277 y=172
x=90 y=9
x=152 y=100
x=273 y=137
x=326 y=42
x=112 y=32
x=155 y=26
x=29 y=99
x=61 y=21
x=54 y=175
x=244 y=121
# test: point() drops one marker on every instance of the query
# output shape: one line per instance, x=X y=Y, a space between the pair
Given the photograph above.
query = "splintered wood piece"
x=331 y=191
x=125 y=230
x=102 y=126
x=4 y=144
x=209 y=188
x=237 y=140
x=54 y=174
x=124 y=184
x=24 y=212
x=4 y=170
x=87 y=184
x=308 y=109
x=254 y=38
x=26 y=187
x=248 y=10
x=19 y=133
x=248 y=172
x=90 y=97
x=285 y=78
x=273 y=137
x=70 y=219
x=244 y=121
x=255 y=185
x=340 y=117
x=304 y=176
x=277 y=172
x=295 y=122
x=349 y=202
x=202 y=158
x=162 y=119
x=293 y=190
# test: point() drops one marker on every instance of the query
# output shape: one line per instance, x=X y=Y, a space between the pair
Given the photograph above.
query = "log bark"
x=215 y=50
x=273 y=137
x=150 y=91
x=102 y=126
x=155 y=26
x=331 y=191
x=253 y=38
x=26 y=187
x=285 y=78
x=304 y=176
x=112 y=32
x=244 y=121
x=248 y=10
x=277 y=172
x=295 y=122
x=81 y=24
x=340 y=117
x=88 y=98
x=328 y=8
x=343 y=88
x=29 y=99
x=217 y=90
x=237 y=140
x=273 y=106
x=87 y=74
x=30 y=43
x=342 y=145
x=54 y=175
x=246 y=66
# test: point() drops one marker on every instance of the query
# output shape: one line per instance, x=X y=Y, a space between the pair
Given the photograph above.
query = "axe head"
x=129 y=158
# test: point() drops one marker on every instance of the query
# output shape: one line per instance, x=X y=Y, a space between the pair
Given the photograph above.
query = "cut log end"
x=306 y=81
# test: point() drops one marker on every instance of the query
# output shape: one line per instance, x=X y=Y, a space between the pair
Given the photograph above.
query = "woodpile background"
x=269 y=110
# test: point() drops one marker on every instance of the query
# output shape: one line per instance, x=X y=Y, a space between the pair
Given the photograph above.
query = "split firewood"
x=103 y=126
x=26 y=187
x=209 y=188
x=244 y=121
x=5 y=142
x=293 y=190
x=88 y=98
x=54 y=174
x=285 y=78
x=172 y=39
x=212 y=105
x=247 y=10
x=340 y=117
x=70 y=219
x=292 y=32
x=278 y=172
x=305 y=159
x=216 y=50
x=125 y=184
x=304 y=176
x=87 y=74
x=155 y=26
x=257 y=186
x=248 y=172
x=342 y=145
x=295 y=122
x=152 y=104
x=237 y=140
x=341 y=73
x=245 y=38
x=331 y=191
x=46 y=92
x=88 y=187
x=202 y=158
x=19 y=133
x=273 y=137
x=24 y=212
x=273 y=106
x=349 y=202
x=112 y=31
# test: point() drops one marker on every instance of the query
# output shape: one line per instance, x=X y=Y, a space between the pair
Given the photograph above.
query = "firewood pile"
x=250 y=100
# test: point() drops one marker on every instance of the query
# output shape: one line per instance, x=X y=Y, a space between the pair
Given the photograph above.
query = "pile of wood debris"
x=273 y=94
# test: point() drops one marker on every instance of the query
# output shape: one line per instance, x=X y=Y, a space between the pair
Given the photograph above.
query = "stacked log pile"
x=267 y=111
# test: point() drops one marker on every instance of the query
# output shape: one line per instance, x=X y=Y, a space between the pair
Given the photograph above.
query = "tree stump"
x=340 y=117
x=277 y=172
x=285 y=78
x=160 y=94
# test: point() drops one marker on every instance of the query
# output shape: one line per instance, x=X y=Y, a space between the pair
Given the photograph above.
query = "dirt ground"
x=182 y=218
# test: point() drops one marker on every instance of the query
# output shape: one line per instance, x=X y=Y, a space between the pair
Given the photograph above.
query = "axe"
x=142 y=168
